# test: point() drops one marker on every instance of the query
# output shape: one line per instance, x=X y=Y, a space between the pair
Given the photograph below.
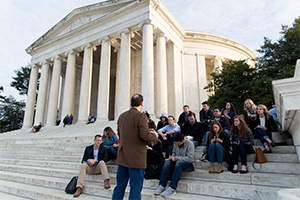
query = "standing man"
x=93 y=162
x=134 y=133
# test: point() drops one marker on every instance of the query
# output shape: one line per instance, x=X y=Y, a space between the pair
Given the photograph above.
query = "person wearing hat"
x=163 y=121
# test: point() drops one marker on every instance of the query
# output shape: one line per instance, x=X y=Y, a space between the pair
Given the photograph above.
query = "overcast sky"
x=247 y=22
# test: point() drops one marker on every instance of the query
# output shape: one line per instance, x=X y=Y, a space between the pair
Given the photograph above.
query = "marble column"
x=54 y=92
x=86 y=82
x=104 y=80
x=161 y=77
x=31 y=94
x=41 y=100
x=201 y=77
x=68 y=106
x=124 y=73
x=148 y=69
x=218 y=62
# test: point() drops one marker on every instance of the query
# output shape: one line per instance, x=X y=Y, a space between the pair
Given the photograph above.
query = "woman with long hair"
x=242 y=143
x=264 y=125
x=218 y=144
x=250 y=107
x=110 y=140
x=229 y=111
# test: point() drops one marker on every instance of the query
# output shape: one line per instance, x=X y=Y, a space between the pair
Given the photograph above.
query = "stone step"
x=253 y=178
x=7 y=196
x=49 y=185
x=269 y=167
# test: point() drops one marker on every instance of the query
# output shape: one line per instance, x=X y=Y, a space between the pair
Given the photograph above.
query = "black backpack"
x=71 y=187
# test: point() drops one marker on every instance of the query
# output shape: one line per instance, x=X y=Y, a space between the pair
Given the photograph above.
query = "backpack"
x=71 y=187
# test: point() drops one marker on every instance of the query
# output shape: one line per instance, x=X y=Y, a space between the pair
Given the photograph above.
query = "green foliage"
x=237 y=81
x=11 y=114
x=21 y=80
x=233 y=83
x=278 y=61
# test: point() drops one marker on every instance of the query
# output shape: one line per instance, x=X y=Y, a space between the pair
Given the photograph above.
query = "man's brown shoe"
x=78 y=192
x=106 y=184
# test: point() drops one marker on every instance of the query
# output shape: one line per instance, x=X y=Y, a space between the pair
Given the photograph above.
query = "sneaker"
x=159 y=190
x=202 y=158
x=168 y=192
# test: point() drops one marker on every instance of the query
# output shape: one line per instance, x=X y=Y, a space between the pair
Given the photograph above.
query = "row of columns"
x=123 y=82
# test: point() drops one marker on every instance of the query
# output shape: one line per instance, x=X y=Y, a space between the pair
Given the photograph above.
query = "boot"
x=219 y=169
x=78 y=192
x=212 y=168
x=106 y=184
x=225 y=164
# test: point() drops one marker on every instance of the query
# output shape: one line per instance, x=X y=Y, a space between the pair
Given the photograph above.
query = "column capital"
x=146 y=22
x=104 y=39
x=34 y=65
x=88 y=45
x=72 y=51
x=125 y=30
x=45 y=62
x=58 y=57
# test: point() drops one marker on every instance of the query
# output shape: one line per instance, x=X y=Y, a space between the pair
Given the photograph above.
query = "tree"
x=11 y=114
x=278 y=61
x=233 y=83
x=21 y=80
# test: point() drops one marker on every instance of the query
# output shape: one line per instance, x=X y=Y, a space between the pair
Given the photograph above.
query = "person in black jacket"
x=154 y=151
x=206 y=114
x=193 y=129
x=184 y=116
x=218 y=144
x=263 y=126
x=93 y=162
x=163 y=121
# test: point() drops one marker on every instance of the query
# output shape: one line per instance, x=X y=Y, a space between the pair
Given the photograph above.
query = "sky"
x=23 y=21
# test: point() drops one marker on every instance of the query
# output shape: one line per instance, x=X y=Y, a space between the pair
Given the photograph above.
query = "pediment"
x=78 y=18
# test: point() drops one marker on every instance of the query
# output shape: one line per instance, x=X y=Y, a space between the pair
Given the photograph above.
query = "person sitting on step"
x=93 y=162
x=167 y=133
x=110 y=138
x=242 y=143
x=182 y=159
x=219 y=143
x=263 y=126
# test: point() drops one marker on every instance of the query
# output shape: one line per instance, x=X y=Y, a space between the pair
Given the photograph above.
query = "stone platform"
x=39 y=166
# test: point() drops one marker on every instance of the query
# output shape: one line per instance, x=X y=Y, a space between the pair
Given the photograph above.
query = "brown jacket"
x=134 y=133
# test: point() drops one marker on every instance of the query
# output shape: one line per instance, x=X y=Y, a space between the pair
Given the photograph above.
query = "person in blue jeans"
x=182 y=159
x=219 y=143
x=264 y=125
x=110 y=139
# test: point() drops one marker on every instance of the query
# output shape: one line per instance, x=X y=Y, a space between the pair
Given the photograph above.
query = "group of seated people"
x=228 y=136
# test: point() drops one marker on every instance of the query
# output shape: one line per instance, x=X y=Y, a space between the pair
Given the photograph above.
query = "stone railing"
x=287 y=100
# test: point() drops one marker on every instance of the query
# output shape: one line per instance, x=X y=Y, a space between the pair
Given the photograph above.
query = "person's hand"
x=235 y=143
x=172 y=158
x=264 y=128
x=92 y=162
x=219 y=140
x=212 y=141
x=149 y=148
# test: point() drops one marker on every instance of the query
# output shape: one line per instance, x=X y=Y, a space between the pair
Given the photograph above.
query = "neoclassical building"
x=98 y=56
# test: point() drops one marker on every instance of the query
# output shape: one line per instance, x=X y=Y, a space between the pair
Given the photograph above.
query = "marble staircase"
x=39 y=166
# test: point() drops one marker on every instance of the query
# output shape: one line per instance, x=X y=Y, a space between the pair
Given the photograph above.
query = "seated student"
x=182 y=159
x=70 y=119
x=36 y=128
x=229 y=111
x=110 y=138
x=218 y=144
x=184 y=116
x=90 y=119
x=206 y=114
x=248 y=120
x=93 y=162
x=95 y=117
x=66 y=120
x=163 y=121
x=242 y=143
x=224 y=121
x=263 y=126
x=166 y=135
x=154 y=151
x=193 y=129
x=250 y=107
